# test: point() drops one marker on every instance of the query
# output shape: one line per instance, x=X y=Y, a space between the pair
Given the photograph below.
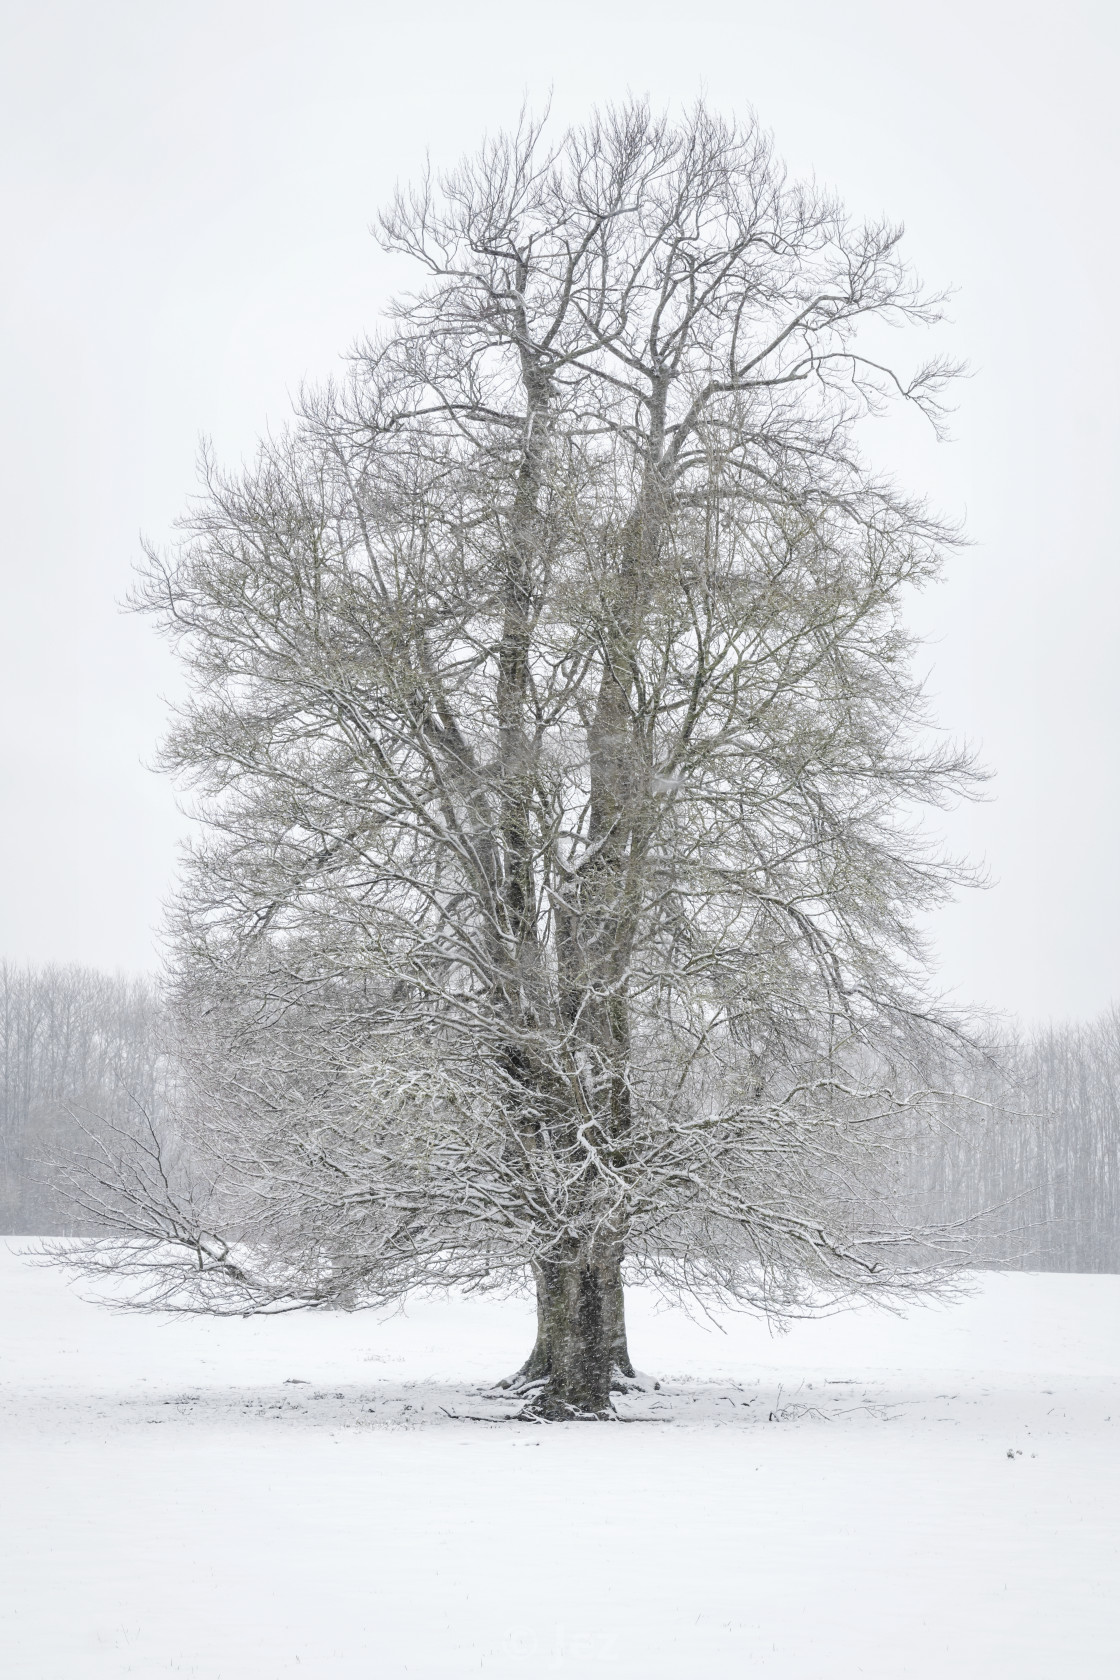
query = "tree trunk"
x=580 y=1351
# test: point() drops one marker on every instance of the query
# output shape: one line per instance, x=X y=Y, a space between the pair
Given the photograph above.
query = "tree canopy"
x=560 y=759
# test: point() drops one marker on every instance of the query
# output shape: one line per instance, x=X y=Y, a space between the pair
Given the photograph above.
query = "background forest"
x=1031 y=1160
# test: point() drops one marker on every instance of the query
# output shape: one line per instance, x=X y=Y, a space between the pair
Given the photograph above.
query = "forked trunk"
x=580 y=1348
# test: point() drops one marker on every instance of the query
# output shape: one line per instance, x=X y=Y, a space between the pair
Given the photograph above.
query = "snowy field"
x=932 y=1496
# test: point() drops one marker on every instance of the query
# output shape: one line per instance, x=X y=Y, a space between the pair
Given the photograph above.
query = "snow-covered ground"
x=933 y=1496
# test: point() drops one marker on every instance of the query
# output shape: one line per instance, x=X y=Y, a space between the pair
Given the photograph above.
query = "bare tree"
x=554 y=731
x=73 y=1043
x=1030 y=1160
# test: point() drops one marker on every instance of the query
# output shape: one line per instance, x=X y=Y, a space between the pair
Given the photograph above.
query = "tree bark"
x=580 y=1351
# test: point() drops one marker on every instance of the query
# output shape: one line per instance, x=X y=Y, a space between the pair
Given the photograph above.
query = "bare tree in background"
x=77 y=1047
x=1030 y=1158
x=554 y=733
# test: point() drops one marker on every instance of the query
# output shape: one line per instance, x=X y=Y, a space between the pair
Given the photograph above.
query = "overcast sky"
x=187 y=191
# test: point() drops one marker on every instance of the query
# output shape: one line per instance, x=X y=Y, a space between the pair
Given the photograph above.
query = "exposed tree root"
x=533 y=1385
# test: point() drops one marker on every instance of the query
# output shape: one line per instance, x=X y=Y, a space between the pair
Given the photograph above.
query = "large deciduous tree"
x=559 y=753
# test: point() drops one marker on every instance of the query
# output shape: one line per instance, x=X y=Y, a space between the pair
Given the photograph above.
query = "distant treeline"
x=1028 y=1163
x=1030 y=1159
x=76 y=1047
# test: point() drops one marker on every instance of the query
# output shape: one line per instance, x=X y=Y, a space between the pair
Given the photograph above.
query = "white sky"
x=187 y=187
